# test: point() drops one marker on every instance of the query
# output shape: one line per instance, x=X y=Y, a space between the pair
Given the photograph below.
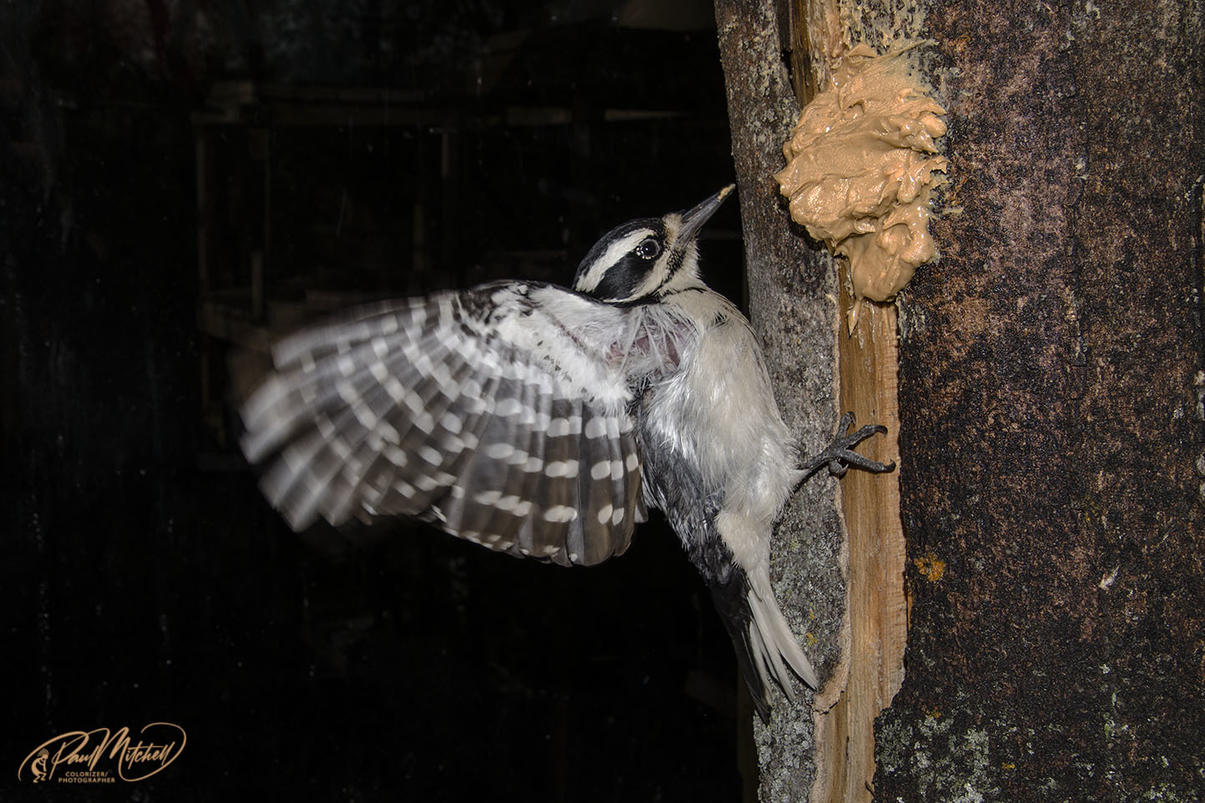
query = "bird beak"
x=693 y=219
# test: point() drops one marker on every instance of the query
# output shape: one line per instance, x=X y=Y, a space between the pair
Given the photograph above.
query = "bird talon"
x=840 y=455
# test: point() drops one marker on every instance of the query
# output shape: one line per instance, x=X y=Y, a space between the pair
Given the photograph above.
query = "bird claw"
x=840 y=455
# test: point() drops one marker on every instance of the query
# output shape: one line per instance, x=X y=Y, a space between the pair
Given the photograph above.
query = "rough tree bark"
x=792 y=299
x=1052 y=399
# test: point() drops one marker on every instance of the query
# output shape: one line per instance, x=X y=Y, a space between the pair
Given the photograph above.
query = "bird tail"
x=761 y=635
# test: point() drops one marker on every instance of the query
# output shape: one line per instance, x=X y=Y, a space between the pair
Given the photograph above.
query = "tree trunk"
x=1052 y=399
x=1050 y=396
x=792 y=303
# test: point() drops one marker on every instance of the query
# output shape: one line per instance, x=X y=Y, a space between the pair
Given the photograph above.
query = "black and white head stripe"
x=499 y=413
x=627 y=263
x=646 y=258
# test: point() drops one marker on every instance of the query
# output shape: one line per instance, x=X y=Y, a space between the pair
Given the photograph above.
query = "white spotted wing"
x=500 y=413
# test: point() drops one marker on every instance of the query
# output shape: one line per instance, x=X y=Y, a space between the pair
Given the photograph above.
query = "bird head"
x=648 y=258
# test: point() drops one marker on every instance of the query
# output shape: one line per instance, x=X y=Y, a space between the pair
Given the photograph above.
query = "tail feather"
x=731 y=602
x=778 y=640
x=761 y=636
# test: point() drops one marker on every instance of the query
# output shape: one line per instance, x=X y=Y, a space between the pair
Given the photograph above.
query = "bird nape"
x=544 y=421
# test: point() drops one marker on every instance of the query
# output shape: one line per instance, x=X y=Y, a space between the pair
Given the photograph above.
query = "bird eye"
x=649 y=249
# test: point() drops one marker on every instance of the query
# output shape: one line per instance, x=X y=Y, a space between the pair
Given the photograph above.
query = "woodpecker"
x=544 y=422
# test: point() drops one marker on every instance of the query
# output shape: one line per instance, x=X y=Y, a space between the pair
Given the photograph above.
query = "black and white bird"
x=543 y=422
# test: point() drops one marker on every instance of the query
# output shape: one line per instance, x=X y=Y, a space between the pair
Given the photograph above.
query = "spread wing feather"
x=498 y=413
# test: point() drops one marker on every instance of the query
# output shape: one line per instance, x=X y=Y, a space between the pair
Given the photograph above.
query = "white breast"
x=719 y=412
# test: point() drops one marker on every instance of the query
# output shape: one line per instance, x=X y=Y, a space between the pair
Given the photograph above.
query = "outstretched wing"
x=499 y=413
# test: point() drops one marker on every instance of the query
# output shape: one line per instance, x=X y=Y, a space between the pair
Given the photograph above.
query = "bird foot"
x=840 y=455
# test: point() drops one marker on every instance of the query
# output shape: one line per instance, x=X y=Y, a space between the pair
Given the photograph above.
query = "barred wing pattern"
x=499 y=413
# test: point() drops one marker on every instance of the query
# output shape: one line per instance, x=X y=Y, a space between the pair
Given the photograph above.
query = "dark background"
x=182 y=181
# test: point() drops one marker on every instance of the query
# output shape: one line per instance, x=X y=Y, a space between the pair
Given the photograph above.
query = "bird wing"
x=498 y=413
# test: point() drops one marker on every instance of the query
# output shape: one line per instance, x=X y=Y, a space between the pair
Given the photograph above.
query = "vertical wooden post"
x=793 y=278
x=876 y=609
x=868 y=366
x=793 y=308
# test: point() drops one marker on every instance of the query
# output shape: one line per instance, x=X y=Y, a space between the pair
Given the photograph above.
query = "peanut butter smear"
x=860 y=167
